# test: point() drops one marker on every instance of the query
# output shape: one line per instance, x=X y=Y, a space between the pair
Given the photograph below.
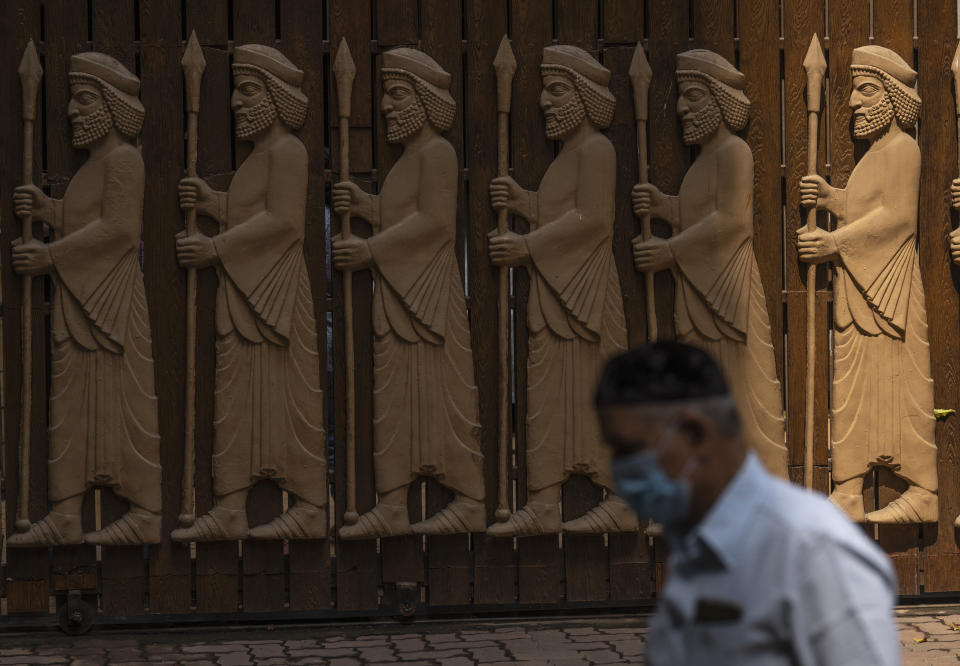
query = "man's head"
x=670 y=402
x=884 y=89
x=103 y=97
x=574 y=89
x=415 y=90
x=710 y=93
x=267 y=87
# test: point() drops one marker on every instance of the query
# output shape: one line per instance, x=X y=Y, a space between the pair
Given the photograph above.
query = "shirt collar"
x=723 y=527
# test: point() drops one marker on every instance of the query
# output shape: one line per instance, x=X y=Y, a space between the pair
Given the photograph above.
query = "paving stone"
x=934 y=628
x=213 y=647
x=344 y=662
x=601 y=656
x=438 y=655
x=377 y=654
x=267 y=650
x=304 y=643
x=234 y=659
x=461 y=645
x=409 y=645
x=34 y=659
x=487 y=655
x=323 y=652
x=441 y=638
x=580 y=631
x=358 y=643
x=911 y=635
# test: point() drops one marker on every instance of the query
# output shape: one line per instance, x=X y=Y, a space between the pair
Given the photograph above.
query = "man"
x=575 y=311
x=103 y=408
x=882 y=412
x=425 y=399
x=720 y=304
x=760 y=571
x=269 y=401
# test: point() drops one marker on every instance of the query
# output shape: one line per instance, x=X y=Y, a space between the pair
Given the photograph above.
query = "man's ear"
x=695 y=426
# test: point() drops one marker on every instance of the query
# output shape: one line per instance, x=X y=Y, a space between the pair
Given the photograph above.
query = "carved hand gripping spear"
x=30 y=73
x=815 y=66
x=640 y=75
x=344 y=70
x=193 y=64
x=505 y=65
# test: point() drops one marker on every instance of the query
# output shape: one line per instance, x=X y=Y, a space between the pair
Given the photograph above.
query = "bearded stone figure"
x=575 y=311
x=103 y=408
x=720 y=305
x=425 y=398
x=269 y=402
x=882 y=411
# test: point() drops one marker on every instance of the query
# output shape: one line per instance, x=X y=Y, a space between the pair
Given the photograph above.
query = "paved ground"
x=930 y=636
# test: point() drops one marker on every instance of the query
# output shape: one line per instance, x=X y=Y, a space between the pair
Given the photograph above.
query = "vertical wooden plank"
x=358 y=571
x=622 y=21
x=628 y=553
x=800 y=21
x=893 y=29
x=254 y=22
x=301 y=24
x=398 y=22
x=586 y=567
x=449 y=573
x=936 y=24
x=217 y=565
x=760 y=64
x=27 y=569
x=495 y=571
x=540 y=574
x=65 y=32
x=123 y=581
x=713 y=26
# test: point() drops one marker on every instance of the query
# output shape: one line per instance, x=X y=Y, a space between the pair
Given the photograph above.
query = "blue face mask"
x=642 y=483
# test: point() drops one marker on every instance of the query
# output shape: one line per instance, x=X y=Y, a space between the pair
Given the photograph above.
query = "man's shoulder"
x=124 y=156
x=438 y=149
x=598 y=150
x=289 y=147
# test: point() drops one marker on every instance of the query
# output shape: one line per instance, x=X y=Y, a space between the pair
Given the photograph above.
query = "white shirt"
x=772 y=575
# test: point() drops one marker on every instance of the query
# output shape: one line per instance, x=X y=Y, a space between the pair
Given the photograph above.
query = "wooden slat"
x=486 y=23
x=760 y=63
x=936 y=24
x=622 y=21
x=540 y=574
x=713 y=27
x=800 y=21
x=309 y=561
x=893 y=29
x=65 y=32
x=398 y=22
x=576 y=23
x=26 y=570
x=217 y=564
x=358 y=570
x=112 y=27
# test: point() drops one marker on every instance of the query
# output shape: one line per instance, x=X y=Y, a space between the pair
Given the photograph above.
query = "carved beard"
x=698 y=125
x=875 y=121
x=564 y=119
x=407 y=122
x=254 y=120
x=93 y=127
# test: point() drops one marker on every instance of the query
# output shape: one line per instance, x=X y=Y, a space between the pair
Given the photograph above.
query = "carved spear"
x=815 y=66
x=30 y=73
x=344 y=70
x=193 y=64
x=505 y=66
x=640 y=75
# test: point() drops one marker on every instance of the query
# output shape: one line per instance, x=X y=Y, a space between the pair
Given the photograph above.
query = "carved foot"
x=915 y=505
x=301 y=521
x=219 y=525
x=54 y=529
x=131 y=529
x=384 y=520
x=610 y=516
x=850 y=504
x=533 y=519
x=460 y=516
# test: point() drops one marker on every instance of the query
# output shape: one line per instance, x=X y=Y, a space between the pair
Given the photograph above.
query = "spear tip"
x=343 y=65
x=639 y=72
x=30 y=70
x=814 y=62
x=955 y=65
x=505 y=62
x=193 y=55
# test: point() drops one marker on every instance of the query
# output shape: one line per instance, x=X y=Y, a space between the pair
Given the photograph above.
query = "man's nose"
x=235 y=101
x=545 y=103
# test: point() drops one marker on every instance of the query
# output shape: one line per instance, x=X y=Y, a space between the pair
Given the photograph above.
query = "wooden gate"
x=765 y=39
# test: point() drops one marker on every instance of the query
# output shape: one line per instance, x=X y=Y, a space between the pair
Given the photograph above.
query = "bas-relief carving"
x=720 y=303
x=425 y=399
x=268 y=401
x=575 y=310
x=103 y=408
x=882 y=411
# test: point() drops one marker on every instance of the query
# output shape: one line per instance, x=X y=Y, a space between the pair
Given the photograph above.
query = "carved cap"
x=579 y=61
x=106 y=69
x=886 y=61
x=711 y=64
x=270 y=60
x=417 y=63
